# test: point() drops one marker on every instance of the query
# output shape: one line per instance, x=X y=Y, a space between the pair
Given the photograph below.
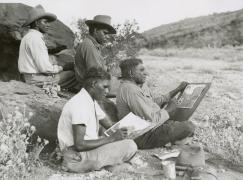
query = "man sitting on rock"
x=34 y=63
x=78 y=129
x=132 y=97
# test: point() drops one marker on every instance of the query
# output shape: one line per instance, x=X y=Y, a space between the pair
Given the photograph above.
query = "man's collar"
x=129 y=82
x=36 y=31
x=87 y=93
x=97 y=45
x=141 y=86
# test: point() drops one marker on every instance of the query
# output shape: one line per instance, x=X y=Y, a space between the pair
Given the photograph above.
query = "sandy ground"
x=222 y=105
x=147 y=168
x=165 y=74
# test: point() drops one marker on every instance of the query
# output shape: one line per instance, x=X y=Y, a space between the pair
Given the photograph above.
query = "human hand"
x=171 y=108
x=60 y=68
x=182 y=86
x=120 y=134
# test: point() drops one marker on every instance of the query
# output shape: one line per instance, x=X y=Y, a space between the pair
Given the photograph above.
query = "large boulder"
x=12 y=17
x=46 y=110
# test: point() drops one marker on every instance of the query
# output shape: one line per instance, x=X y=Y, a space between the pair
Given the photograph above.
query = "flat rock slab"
x=46 y=110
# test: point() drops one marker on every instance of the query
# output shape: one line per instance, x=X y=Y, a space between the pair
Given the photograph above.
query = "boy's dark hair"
x=94 y=74
x=128 y=65
x=32 y=25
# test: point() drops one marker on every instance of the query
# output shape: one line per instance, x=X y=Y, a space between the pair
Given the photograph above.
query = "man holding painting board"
x=132 y=97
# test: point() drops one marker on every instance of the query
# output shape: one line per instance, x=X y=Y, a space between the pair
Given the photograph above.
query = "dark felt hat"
x=102 y=20
x=37 y=13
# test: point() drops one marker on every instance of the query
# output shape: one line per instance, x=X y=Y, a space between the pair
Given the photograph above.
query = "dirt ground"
x=223 y=101
x=219 y=117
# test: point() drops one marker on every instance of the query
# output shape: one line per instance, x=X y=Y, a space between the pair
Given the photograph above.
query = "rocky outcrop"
x=46 y=110
x=12 y=17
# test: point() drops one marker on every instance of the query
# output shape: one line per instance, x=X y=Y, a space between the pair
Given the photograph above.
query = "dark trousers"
x=170 y=131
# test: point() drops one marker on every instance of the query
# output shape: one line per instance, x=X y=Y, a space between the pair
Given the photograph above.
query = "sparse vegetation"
x=216 y=30
x=218 y=118
x=230 y=54
x=19 y=156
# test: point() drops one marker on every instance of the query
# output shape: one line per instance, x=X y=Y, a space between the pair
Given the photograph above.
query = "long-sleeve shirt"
x=132 y=98
x=88 y=55
x=33 y=55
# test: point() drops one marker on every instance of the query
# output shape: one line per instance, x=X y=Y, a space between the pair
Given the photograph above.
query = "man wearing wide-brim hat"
x=89 y=51
x=88 y=55
x=34 y=62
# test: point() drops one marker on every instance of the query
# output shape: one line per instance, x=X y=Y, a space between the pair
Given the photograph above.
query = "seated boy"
x=78 y=129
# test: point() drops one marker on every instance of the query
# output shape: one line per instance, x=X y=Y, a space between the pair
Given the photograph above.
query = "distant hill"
x=217 y=30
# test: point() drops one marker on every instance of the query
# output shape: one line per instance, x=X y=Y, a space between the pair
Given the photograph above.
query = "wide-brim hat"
x=103 y=21
x=37 y=13
x=191 y=155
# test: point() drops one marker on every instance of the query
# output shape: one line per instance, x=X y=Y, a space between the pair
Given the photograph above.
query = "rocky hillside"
x=215 y=30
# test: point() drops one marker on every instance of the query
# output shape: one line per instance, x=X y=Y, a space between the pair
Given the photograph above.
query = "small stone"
x=206 y=118
x=241 y=128
x=221 y=170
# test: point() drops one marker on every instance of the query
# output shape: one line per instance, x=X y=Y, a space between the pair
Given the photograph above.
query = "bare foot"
x=124 y=167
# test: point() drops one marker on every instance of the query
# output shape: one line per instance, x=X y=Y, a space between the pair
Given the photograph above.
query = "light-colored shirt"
x=132 y=98
x=33 y=55
x=80 y=109
x=88 y=55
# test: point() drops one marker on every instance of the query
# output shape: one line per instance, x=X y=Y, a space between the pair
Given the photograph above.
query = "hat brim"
x=110 y=29
x=49 y=16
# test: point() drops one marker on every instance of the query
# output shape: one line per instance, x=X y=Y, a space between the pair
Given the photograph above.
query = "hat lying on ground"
x=37 y=13
x=191 y=155
x=102 y=20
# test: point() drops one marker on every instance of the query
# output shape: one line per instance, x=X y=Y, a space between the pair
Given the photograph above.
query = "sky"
x=147 y=13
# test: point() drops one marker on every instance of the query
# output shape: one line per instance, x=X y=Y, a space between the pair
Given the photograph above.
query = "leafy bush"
x=82 y=30
x=18 y=156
